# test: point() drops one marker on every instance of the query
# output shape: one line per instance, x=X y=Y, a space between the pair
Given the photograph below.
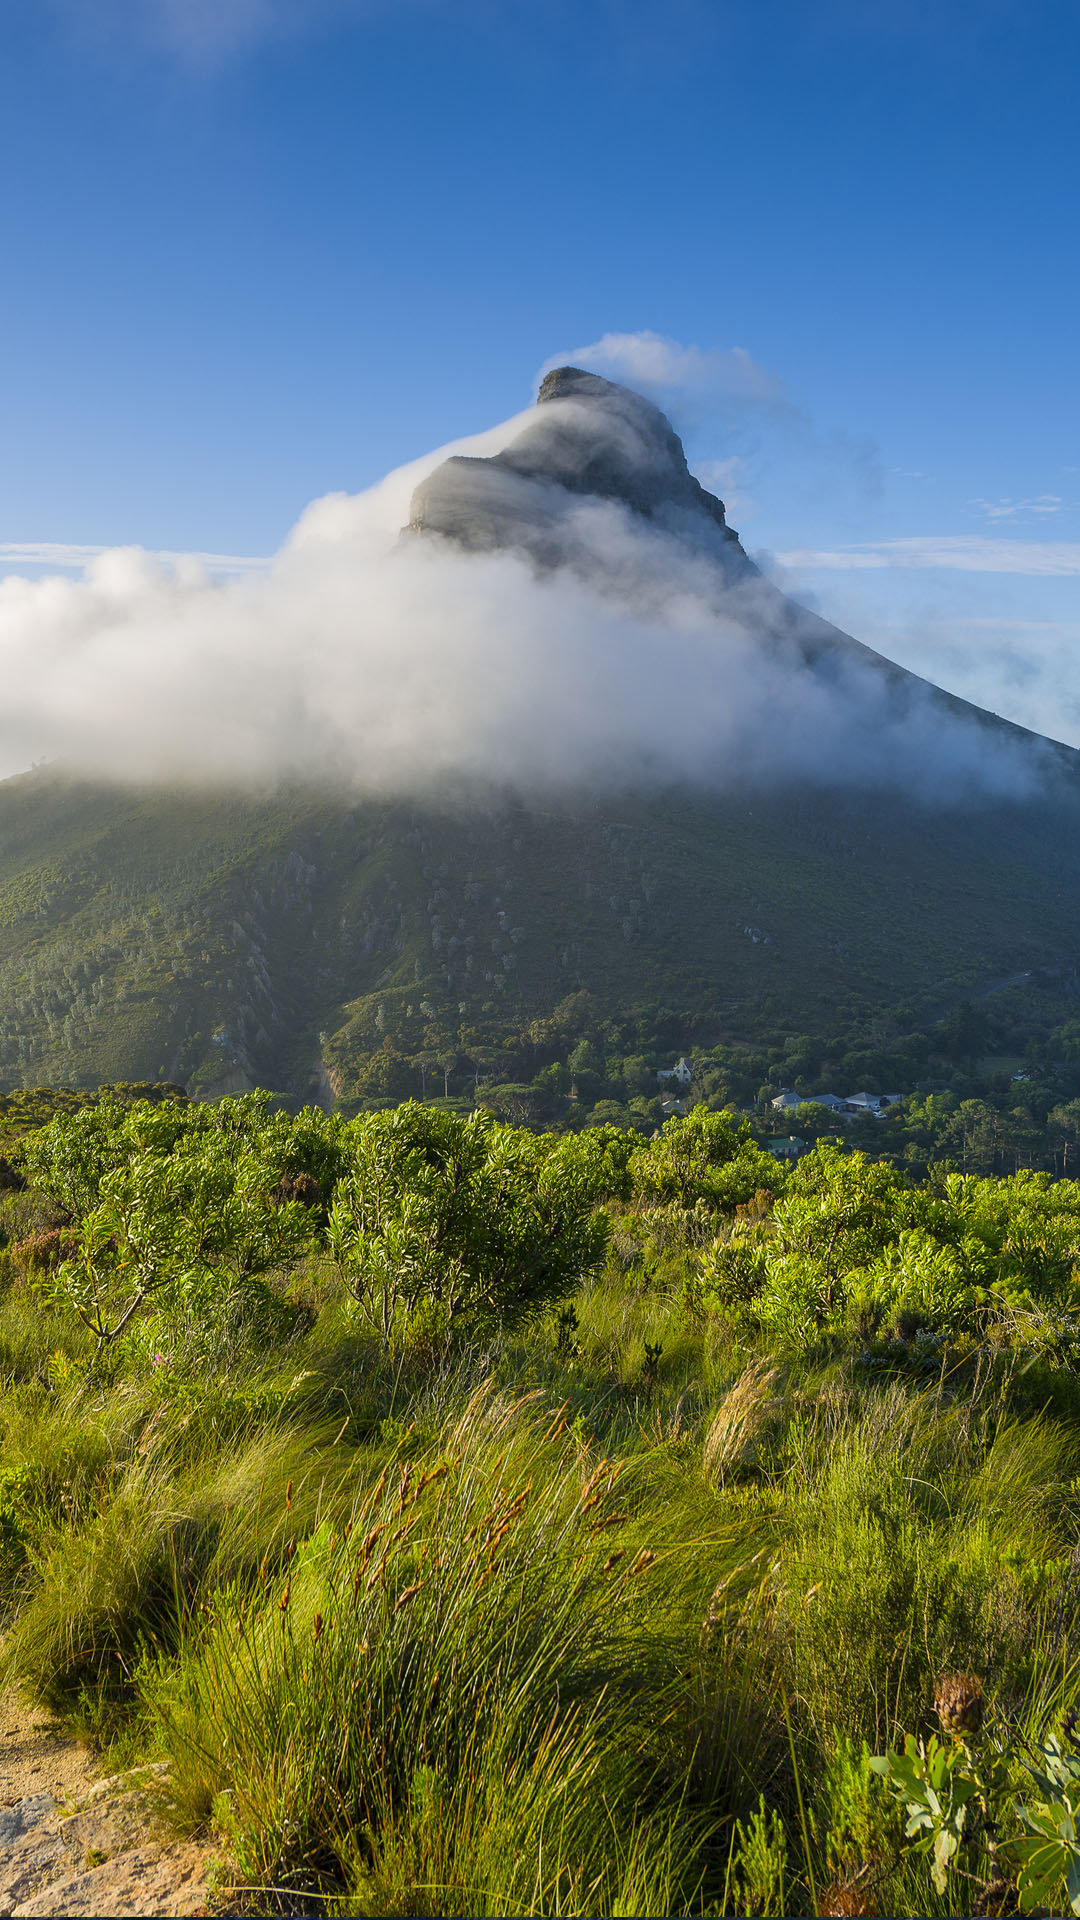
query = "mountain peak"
x=591 y=446
x=587 y=438
x=567 y=383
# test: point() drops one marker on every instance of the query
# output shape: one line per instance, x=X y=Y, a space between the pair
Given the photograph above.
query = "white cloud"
x=15 y=555
x=658 y=366
x=1007 y=509
x=399 y=662
x=962 y=552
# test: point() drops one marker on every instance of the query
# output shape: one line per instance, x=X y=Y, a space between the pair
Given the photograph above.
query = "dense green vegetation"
x=989 y=1087
x=360 y=949
x=26 y=1108
x=483 y=1520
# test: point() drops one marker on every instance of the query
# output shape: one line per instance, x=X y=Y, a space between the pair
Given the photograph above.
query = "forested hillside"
x=323 y=946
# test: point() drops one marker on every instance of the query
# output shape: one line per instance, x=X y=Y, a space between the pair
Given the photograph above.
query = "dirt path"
x=36 y=1756
x=75 y=1843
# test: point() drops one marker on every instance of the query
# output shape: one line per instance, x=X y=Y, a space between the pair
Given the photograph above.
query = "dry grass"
x=747 y=1410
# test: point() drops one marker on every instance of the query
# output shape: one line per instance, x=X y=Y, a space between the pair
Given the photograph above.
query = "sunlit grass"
x=528 y=1624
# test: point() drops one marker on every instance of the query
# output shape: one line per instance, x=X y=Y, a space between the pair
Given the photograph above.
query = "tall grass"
x=455 y=1701
x=530 y=1625
x=914 y=1540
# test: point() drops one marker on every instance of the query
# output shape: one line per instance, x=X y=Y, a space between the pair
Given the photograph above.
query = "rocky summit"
x=589 y=440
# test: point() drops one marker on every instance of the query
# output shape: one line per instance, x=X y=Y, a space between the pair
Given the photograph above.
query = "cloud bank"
x=398 y=662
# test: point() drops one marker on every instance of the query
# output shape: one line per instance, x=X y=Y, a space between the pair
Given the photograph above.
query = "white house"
x=785 y=1099
x=681 y=1071
x=875 y=1103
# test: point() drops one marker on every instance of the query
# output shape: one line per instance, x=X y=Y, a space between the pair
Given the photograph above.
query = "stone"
x=24 y=1814
x=588 y=439
x=152 y=1879
x=107 y=1827
x=31 y=1851
x=104 y=1858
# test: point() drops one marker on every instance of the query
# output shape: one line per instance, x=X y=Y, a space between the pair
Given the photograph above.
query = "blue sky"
x=256 y=250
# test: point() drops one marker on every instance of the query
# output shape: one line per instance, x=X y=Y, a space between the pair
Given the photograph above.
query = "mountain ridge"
x=314 y=939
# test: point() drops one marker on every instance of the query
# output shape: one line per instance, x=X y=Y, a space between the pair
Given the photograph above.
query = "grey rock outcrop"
x=588 y=440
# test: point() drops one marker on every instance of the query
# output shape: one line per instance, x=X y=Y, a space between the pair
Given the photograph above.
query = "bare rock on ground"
x=74 y=1845
x=31 y=1850
x=152 y=1879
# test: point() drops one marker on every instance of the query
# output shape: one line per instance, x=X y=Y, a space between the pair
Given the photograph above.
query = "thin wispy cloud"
x=203 y=33
x=997 y=625
x=15 y=554
x=655 y=365
x=1008 y=509
x=959 y=552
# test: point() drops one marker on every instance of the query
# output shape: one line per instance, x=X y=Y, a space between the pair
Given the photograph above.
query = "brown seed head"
x=959 y=1702
x=368 y=1542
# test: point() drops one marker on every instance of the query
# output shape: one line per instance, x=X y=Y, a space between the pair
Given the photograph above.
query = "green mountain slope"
x=220 y=941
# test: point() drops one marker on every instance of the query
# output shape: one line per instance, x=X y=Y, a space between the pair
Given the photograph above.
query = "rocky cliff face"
x=590 y=441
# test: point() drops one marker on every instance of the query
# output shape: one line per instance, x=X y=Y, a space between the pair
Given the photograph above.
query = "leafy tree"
x=1063 y=1126
x=460 y=1221
x=556 y=1079
x=974 y=1136
x=188 y=1204
x=193 y=1227
x=702 y=1157
x=519 y=1105
x=639 y=1075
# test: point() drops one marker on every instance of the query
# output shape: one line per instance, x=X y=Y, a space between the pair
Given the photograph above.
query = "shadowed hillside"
x=220 y=941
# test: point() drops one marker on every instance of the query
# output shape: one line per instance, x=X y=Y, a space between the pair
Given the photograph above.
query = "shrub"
x=703 y=1158
x=460 y=1221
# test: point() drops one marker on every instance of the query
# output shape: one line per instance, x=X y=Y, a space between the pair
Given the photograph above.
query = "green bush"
x=461 y=1222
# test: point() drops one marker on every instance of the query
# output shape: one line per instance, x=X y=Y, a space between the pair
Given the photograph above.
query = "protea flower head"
x=959 y=1702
